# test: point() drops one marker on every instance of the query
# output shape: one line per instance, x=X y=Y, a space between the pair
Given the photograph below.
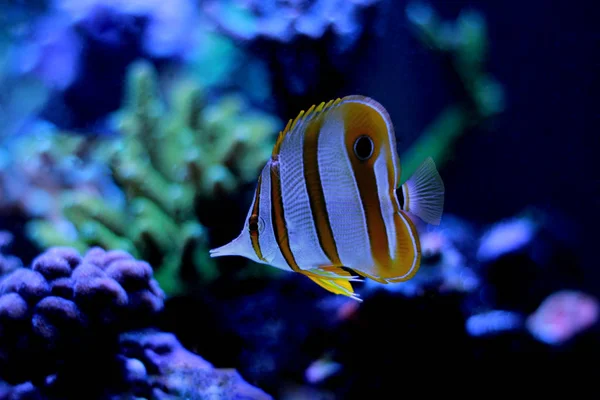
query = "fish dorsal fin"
x=302 y=117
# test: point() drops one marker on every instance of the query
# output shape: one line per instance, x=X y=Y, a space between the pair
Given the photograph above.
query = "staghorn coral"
x=164 y=162
x=161 y=368
x=66 y=307
x=463 y=44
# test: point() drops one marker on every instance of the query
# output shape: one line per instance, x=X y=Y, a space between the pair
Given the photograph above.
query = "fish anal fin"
x=335 y=285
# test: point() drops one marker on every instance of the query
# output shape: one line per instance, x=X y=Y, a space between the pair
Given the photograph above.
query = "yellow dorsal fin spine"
x=302 y=116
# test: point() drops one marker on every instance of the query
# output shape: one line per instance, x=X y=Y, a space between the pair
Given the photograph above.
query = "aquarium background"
x=131 y=137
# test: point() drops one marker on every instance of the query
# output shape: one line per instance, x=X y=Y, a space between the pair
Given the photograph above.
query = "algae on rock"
x=164 y=161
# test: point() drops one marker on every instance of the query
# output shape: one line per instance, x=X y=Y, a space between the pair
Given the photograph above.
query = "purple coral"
x=66 y=306
x=167 y=28
x=164 y=369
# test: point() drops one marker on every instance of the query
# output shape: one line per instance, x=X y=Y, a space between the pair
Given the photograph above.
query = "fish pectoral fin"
x=335 y=285
x=424 y=193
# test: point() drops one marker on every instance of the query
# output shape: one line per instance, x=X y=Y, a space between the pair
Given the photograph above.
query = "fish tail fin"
x=424 y=193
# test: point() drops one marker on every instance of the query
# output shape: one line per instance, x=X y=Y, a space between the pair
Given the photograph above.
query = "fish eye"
x=363 y=147
x=255 y=224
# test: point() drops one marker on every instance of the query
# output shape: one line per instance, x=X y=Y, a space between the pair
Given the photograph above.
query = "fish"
x=328 y=203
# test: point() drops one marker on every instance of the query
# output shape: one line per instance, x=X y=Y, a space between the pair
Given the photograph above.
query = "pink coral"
x=563 y=315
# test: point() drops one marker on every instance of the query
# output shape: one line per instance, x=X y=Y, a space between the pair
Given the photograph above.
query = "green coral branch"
x=164 y=161
x=436 y=140
x=465 y=42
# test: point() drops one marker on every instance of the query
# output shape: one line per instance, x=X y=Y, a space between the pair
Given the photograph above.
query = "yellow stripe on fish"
x=326 y=200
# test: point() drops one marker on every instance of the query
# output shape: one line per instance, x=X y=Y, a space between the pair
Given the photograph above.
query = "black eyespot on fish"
x=253 y=224
x=256 y=225
x=363 y=148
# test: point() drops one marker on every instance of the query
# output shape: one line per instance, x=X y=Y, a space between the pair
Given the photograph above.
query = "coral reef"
x=219 y=65
x=269 y=329
x=61 y=54
x=69 y=313
x=131 y=140
x=65 y=304
x=22 y=94
x=559 y=319
x=164 y=163
x=164 y=369
x=54 y=48
x=167 y=28
x=286 y=21
x=311 y=47
x=506 y=272
x=36 y=168
x=75 y=48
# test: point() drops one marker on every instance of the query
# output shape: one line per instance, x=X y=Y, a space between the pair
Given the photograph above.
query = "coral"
x=310 y=46
x=168 y=29
x=51 y=52
x=164 y=369
x=321 y=369
x=286 y=21
x=493 y=323
x=74 y=48
x=67 y=306
x=36 y=168
x=22 y=94
x=506 y=237
x=69 y=314
x=54 y=49
x=559 y=318
x=164 y=163
x=563 y=315
x=464 y=43
x=266 y=328
x=219 y=65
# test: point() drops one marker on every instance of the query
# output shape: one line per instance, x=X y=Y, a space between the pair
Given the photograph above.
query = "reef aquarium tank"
x=298 y=199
